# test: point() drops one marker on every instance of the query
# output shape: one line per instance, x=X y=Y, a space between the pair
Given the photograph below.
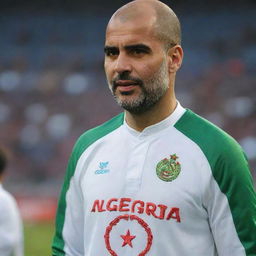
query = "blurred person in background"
x=11 y=228
x=157 y=179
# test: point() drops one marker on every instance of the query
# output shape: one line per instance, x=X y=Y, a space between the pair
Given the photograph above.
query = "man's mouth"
x=125 y=86
x=125 y=83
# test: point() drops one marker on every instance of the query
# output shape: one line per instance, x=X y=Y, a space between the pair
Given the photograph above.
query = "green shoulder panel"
x=85 y=140
x=231 y=171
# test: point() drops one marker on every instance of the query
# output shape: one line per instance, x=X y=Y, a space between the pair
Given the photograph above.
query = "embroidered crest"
x=168 y=169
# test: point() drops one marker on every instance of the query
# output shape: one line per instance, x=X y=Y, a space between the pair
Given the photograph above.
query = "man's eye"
x=138 y=52
x=111 y=53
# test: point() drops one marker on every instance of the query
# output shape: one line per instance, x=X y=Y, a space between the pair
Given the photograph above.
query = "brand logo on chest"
x=103 y=168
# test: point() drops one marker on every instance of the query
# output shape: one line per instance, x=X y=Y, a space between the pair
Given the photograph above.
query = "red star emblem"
x=127 y=239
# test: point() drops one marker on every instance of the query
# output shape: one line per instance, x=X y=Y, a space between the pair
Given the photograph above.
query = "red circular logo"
x=128 y=218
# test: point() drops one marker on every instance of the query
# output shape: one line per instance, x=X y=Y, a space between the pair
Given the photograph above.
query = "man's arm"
x=232 y=213
x=68 y=239
x=69 y=236
x=11 y=233
x=7 y=239
x=228 y=194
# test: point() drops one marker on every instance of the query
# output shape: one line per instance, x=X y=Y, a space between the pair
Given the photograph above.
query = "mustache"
x=126 y=76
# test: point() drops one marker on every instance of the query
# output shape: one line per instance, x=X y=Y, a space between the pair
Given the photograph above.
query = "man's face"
x=135 y=65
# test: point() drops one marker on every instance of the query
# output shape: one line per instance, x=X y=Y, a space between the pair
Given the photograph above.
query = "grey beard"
x=154 y=90
x=143 y=103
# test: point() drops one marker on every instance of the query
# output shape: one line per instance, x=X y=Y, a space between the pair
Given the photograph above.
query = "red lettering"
x=140 y=208
x=137 y=206
x=123 y=204
x=162 y=211
x=113 y=207
x=174 y=214
x=98 y=204
x=150 y=209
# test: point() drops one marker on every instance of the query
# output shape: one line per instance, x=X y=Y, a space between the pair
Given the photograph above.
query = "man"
x=157 y=179
x=11 y=231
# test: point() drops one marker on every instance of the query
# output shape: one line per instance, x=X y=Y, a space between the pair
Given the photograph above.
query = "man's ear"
x=175 y=57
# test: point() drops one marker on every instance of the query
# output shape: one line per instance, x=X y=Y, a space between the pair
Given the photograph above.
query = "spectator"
x=11 y=234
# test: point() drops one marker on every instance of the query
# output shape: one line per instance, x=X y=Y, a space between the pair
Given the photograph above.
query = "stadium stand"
x=52 y=85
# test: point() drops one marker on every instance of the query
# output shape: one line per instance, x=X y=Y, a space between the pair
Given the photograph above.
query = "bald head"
x=165 y=24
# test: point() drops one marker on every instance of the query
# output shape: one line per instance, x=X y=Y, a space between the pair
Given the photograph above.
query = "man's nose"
x=122 y=64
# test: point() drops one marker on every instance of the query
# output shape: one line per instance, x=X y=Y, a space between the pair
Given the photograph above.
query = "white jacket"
x=180 y=187
x=11 y=230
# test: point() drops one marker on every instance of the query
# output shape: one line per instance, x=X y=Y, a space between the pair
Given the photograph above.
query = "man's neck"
x=155 y=115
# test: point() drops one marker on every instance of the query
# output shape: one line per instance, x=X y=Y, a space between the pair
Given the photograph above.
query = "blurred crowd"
x=53 y=88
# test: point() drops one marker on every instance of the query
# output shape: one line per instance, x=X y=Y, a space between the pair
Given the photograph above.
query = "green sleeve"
x=85 y=140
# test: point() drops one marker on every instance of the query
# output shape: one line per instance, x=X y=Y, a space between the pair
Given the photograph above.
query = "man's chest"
x=134 y=188
x=151 y=171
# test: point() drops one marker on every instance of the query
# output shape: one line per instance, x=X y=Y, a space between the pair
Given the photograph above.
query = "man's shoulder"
x=224 y=155
x=212 y=140
x=7 y=200
x=96 y=133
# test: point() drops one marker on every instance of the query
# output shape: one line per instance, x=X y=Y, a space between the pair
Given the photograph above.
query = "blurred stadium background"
x=53 y=88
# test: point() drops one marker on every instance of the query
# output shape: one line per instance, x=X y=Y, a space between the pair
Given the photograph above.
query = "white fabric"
x=11 y=230
x=204 y=226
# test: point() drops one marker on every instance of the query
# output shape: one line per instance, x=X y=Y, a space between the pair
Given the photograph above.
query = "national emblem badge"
x=168 y=169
